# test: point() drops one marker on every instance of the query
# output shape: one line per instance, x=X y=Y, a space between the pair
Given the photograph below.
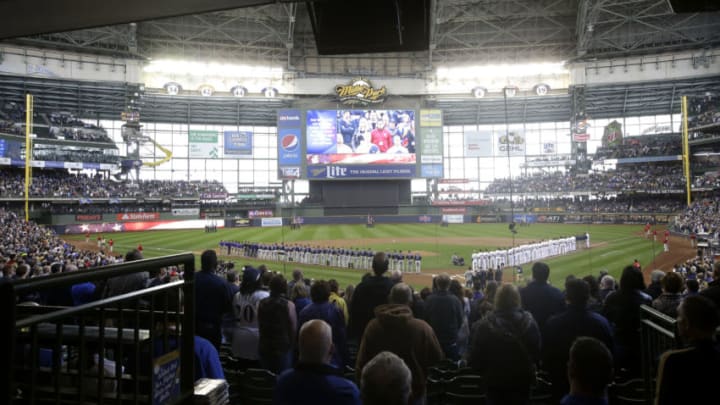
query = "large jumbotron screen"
x=359 y=144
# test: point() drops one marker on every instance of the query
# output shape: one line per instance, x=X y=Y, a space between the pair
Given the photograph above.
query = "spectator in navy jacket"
x=212 y=299
x=622 y=309
x=322 y=308
x=314 y=380
x=539 y=297
x=562 y=329
x=371 y=292
x=444 y=312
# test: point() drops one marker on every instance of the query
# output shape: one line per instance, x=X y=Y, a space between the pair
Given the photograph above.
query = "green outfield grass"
x=614 y=246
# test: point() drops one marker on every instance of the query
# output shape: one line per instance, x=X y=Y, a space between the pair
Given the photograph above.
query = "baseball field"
x=611 y=246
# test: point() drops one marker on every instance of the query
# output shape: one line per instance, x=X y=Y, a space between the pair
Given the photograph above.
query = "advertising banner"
x=260 y=213
x=237 y=223
x=453 y=210
x=431 y=118
x=186 y=212
x=88 y=217
x=213 y=196
x=289 y=138
x=514 y=141
x=271 y=222
x=425 y=219
x=203 y=144
x=431 y=143
x=486 y=219
x=478 y=144
x=360 y=171
x=454 y=219
x=138 y=216
x=238 y=143
x=612 y=134
x=449 y=203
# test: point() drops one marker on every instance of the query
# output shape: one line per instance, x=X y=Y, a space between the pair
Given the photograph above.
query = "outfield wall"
x=156 y=222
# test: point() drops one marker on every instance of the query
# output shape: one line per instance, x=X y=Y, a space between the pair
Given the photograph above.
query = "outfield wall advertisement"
x=111 y=227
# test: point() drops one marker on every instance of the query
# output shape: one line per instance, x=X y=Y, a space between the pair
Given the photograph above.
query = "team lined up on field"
x=407 y=262
x=522 y=254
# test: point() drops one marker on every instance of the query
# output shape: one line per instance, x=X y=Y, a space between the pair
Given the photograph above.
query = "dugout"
x=142 y=341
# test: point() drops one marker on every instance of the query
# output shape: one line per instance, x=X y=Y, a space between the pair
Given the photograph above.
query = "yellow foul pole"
x=686 y=150
x=28 y=151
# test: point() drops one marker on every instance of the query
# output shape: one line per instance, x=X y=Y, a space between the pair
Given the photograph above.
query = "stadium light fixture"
x=205 y=69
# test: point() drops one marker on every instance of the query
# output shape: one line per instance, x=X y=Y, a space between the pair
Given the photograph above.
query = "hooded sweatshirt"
x=395 y=329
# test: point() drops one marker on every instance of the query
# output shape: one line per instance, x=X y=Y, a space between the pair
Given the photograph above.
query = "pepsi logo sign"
x=290 y=143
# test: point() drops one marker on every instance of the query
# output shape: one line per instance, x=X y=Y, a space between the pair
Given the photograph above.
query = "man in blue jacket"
x=314 y=380
x=540 y=298
x=212 y=299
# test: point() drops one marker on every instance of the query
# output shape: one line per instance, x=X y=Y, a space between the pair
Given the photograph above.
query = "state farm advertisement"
x=138 y=216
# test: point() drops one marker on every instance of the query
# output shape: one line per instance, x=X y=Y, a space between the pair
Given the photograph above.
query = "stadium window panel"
x=163 y=127
x=455 y=172
x=179 y=152
x=213 y=165
x=261 y=179
x=262 y=153
x=164 y=138
x=471 y=168
x=230 y=165
x=647 y=120
x=274 y=178
x=261 y=140
x=179 y=165
x=245 y=167
x=162 y=175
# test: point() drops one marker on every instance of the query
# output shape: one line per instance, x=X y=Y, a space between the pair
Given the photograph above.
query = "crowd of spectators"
x=643 y=146
x=637 y=178
x=28 y=250
x=65 y=125
x=62 y=184
x=702 y=216
x=74 y=155
x=707 y=181
x=303 y=330
x=619 y=204
x=61 y=125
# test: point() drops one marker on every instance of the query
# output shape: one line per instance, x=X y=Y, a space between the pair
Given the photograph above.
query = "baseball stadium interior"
x=360 y=202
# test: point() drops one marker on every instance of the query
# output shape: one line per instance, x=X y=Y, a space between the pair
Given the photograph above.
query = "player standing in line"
x=693 y=239
x=666 y=243
x=140 y=248
x=587 y=240
x=87 y=237
x=99 y=240
x=647 y=230
x=110 y=244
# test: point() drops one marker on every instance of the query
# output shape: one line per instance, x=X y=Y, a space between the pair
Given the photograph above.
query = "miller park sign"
x=360 y=92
